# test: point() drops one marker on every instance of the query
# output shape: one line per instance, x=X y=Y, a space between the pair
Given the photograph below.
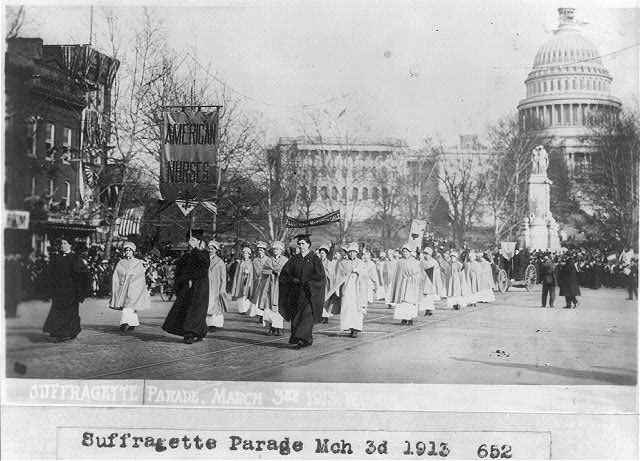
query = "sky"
x=376 y=69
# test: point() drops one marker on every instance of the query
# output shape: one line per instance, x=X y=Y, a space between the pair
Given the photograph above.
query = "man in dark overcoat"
x=302 y=289
x=568 y=281
x=188 y=315
x=548 y=278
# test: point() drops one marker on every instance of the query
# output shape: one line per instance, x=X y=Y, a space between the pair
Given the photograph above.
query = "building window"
x=565 y=114
x=51 y=189
x=32 y=126
x=334 y=193
x=574 y=83
x=354 y=194
x=566 y=85
x=376 y=193
x=33 y=185
x=314 y=192
x=575 y=108
x=323 y=193
x=49 y=141
x=67 y=193
x=66 y=143
x=365 y=193
x=343 y=193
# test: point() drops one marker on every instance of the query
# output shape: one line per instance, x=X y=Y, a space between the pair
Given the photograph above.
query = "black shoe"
x=188 y=340
x=124 y=327
x=456 y=307
x=410 y=322
x=300 y=344
x=278 y=332
x=211 y=329
x=551 y=306
x=197 y=338
x=354 y=333
x=271 y=331
x=568 y=306
x=576 y=304
x=404 y=322
x=131 y=328
x=428 y=314
x=325 y=320
x=259 y=319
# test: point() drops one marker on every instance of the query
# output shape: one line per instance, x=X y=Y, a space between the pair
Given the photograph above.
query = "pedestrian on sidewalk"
x=188 y=316
x=568 y=281
x=404 y=291
x=302 y=292
x=129 y=292
x=632 y=278
x=548 y=277
x=217 y=288
x=68 y=284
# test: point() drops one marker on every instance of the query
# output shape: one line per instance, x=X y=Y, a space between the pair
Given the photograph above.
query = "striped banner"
x=130 y=221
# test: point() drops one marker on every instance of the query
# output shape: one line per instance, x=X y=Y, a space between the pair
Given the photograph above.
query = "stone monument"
x=539 y=229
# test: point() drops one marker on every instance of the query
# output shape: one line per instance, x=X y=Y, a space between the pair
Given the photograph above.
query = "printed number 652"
x=494 y=451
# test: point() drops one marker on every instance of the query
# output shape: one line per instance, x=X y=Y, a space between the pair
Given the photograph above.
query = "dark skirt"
x=188 y=315
x=302 y=325
x=63 y=320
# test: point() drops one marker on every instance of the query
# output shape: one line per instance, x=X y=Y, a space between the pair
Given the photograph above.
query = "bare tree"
x=506 y=174
x=613 y=173
x=144 y=63
x=463 y=187
x=15 y=18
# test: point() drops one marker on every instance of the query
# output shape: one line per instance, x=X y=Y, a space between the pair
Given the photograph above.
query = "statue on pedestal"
x=540 y=160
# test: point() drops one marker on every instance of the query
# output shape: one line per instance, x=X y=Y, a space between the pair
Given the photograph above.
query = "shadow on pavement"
x=618 y=379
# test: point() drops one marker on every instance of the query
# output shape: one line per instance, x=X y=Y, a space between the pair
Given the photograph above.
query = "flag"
x=334 y=216
x=130 y=221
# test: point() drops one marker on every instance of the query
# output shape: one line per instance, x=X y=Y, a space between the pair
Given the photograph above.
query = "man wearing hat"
x=548 y=277
x=217 y=288
x=269 y=289
x=129 y=292
x=302 y=291
x=330 y=273
x=188 y=316
x=404 y=291
x=258 y=263
x=243 y=281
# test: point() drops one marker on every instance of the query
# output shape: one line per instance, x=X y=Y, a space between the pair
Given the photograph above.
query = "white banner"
x=17 y=219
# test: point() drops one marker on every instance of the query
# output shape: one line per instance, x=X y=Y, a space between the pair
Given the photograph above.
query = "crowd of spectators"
x=597 y=265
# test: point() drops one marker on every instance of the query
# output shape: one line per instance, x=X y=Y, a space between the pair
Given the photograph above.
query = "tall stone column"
x=542 y=229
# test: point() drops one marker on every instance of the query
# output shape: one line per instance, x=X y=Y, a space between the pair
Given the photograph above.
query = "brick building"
x=57 y=107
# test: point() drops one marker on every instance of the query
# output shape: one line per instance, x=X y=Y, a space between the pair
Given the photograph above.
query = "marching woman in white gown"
x=129 y=292
x=404 y=290
x=243 y=282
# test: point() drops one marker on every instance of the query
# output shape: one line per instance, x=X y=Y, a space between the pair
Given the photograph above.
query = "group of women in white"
x=409 y=283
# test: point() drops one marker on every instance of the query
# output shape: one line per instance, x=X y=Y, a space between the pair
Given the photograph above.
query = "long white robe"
x=485 y=293
x=404 y=290
x=129 y=290
x=270 y=291
x=217 y=290
x=353 y=294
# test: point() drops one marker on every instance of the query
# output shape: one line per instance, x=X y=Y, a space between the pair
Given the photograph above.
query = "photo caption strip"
x=323 y=396
x=128 y=443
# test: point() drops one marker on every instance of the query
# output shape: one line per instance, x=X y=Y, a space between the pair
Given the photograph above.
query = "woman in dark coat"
x=568 y=282
x=302 y=289
x=188 y=316
x=67 y=285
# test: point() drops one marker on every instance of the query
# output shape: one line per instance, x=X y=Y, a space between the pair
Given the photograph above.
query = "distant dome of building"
x=567 y=82
x=568 y=47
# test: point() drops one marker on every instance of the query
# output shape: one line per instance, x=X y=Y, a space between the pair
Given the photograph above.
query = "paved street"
x=512 y=341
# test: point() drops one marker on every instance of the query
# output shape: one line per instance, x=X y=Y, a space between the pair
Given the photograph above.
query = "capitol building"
x=567 y=83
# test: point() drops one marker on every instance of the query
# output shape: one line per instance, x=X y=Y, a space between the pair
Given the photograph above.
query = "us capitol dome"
x=567 y=83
